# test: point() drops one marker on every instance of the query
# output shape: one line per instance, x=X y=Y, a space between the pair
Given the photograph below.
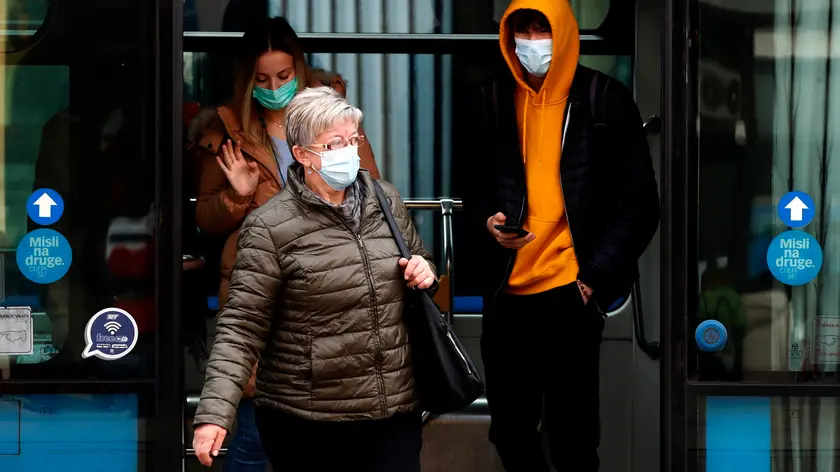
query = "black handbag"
x=446 y=378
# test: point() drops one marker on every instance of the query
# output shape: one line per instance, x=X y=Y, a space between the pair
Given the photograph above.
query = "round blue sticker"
x=794 y=257
x=711 y=336
x=45 y=206
x=44 y=256
x=110 y=334
x=796 y=209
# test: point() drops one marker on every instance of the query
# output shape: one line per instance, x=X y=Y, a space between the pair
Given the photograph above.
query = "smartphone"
x=519 y=232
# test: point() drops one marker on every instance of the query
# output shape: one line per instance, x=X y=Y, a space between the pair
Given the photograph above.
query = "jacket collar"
x=298 y=188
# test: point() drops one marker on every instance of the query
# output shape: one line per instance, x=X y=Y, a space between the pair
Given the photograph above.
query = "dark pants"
x=296 y=445
x=245 y=450
x=542 y=351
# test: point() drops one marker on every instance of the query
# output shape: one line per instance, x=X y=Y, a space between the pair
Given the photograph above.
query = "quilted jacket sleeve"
x=244 y=324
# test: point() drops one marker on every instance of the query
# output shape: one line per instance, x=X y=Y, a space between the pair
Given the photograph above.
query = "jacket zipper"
x=376 y=337
x=562 y=187
x=509 y=267
x=565 y=207
x=380 y=380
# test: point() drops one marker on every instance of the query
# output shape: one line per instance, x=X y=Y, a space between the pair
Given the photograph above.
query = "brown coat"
x=320 y=307
x=220 y=210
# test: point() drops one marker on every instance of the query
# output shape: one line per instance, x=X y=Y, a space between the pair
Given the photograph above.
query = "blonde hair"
x=266 y=35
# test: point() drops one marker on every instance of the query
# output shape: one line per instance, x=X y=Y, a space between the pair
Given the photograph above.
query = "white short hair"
x=315 y=110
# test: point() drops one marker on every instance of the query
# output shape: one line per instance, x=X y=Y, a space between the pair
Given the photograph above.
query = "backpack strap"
x=597 y=100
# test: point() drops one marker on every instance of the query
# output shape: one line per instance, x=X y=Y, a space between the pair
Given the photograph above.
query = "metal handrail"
x=446 y=206
x=651 y=348
x=413 y=37
x=432 y=204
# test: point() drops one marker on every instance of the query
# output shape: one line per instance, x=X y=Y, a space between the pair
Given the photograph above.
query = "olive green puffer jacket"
x=321 y=308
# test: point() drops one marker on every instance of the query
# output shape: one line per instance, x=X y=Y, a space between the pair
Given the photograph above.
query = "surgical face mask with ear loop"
x=534 y=54
x=276 y=99
x=340 y=167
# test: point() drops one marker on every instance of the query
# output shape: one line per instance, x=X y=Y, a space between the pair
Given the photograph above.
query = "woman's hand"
x=207 y=441
x=418 y=273
x=243 y=175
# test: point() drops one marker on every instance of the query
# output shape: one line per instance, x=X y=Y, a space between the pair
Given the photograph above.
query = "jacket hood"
x=565 y=49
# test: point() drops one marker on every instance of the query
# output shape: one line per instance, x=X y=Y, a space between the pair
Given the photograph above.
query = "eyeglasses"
x=339 y=143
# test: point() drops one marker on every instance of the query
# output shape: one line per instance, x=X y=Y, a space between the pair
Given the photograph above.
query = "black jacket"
x=609 y=185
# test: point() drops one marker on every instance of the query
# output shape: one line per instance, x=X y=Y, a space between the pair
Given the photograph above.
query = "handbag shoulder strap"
x=392 y=222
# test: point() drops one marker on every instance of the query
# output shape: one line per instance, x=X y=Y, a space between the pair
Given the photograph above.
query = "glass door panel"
x=79 y=235
x=768 y=98
x=763 y=310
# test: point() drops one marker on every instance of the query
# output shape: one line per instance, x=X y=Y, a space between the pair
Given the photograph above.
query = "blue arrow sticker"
x=794 y=257
x=711 y=336
x=45 y=206
x=796 y=209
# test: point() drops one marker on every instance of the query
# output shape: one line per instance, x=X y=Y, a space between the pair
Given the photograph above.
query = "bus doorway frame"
x=168 y=444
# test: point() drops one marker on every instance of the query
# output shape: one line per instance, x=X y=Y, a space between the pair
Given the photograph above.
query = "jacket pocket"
x=333 y=359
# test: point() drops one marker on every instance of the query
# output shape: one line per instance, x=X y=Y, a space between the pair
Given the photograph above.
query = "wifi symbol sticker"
x=110 y=334
x=112 y=327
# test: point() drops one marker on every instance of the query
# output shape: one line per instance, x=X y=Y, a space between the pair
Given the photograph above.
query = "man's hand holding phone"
x=509 y=237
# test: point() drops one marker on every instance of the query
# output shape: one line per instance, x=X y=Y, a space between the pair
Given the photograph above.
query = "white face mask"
x=534 y=54
x=339 y=168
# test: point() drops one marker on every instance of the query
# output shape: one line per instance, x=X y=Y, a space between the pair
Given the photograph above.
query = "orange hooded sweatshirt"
x=549 y=260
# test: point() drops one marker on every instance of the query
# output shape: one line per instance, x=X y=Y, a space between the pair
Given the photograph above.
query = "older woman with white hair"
x=316 y=296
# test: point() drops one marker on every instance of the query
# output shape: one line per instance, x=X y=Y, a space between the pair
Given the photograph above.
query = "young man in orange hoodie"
x=573 y=205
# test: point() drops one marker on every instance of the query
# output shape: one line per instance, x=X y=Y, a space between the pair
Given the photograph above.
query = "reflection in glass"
x=82 y=127
x=768 y=92
x=20 y=21
x=40 y=92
